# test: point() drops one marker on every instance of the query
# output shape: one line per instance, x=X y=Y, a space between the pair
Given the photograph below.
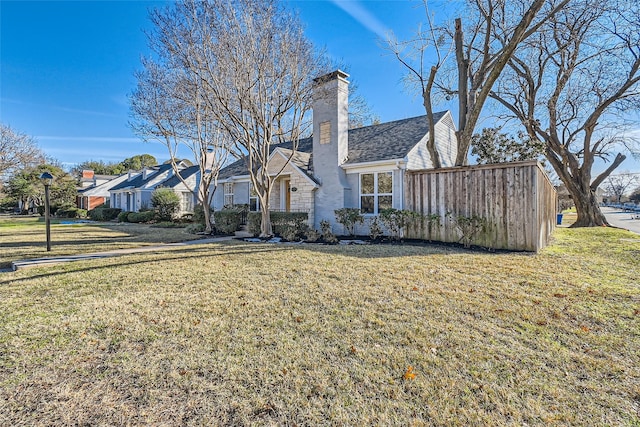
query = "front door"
x=287 y=195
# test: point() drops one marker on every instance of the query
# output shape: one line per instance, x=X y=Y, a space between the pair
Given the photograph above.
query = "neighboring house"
x=89 y=179
x=134 y=193
x=191 y=176
x=96 y=195
x=339 y=167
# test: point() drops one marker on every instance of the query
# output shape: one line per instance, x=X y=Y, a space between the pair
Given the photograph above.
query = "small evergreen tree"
x=166 y=203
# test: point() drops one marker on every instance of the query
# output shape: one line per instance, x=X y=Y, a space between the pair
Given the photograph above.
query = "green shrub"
x=327 y=234
x=396 y=220
x=166 y=203
x=138 y=217
x=254 y=220
x=71 y=212
x=375 y=230
x=290 y=226
x=104 y=213
x=198 y=214
x=194 y=228
x=227 y=221
x=349 y=217
x=123 y=216
x=40 y=210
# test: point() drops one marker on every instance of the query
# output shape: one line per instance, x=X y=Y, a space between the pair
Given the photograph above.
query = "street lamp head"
x=46 y=178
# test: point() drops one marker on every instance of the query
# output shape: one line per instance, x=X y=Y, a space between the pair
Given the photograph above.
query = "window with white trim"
x=376 y=192
x=186 y=204
x=254 y=206
x=228 y=194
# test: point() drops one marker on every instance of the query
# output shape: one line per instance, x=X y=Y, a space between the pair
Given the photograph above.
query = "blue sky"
x=67 y=67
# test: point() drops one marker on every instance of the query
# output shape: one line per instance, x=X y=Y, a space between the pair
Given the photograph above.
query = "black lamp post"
x=46 y=179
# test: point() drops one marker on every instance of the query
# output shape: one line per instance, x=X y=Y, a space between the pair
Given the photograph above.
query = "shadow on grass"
x=174 y=255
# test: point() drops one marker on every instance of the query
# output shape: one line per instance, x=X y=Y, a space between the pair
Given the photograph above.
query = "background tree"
x=497 y=28
x=635 y=195
x=619 y=184
x=572 y=86
x=255 y=69
x=493 y=146
x=27 y=188
x=137 y=162
x=166 y=203
x=17 y=151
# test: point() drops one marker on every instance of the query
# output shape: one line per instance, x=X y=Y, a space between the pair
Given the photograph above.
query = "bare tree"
x=168 y=106
x=572 y=87
x=497 y=28
x=17 y=151
x=255 y=68
x=619 y=184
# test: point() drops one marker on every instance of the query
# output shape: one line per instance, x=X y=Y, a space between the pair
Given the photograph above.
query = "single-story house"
x=134 y=193
x=91 y=197
x=191 y=176
x=340 y=167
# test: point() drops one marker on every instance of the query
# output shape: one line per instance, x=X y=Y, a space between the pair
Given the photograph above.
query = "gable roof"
x=174 y=180
x=238 y=168
x=140 y=180
x=387 y=141
x=104 y=187
x=384 y=141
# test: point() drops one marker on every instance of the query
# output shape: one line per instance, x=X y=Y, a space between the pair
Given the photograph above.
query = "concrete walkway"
x=39 y=262
x=621 y=219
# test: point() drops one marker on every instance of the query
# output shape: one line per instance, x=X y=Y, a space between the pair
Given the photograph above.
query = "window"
x=253 y=199
x=376 y=192
x=118 y=201
x=228 y=194
x=186 y=202
x=325 y=133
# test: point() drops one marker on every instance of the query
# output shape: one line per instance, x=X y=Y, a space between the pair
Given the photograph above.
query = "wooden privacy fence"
x=501 y=206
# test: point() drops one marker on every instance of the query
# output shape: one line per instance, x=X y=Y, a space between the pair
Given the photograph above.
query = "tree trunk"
x=587 y=207
x=265 y=226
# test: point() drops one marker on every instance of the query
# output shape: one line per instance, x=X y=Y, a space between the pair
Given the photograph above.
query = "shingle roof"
x=238 y=168
x=184 y=173
x=138 y=181
x=385 y=141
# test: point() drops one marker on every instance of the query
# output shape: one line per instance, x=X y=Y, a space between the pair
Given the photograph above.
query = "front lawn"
x=259 y=334
x=24 y=237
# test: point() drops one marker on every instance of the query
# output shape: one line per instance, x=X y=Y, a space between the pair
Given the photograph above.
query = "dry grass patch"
x=239 y=334
x=24 y=237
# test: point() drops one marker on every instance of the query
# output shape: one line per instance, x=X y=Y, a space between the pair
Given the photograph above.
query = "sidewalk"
x=39 y=262
x=620 y=219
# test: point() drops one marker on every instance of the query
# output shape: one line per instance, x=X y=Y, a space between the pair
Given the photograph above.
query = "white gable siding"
x=446 y=144
x=419 y=158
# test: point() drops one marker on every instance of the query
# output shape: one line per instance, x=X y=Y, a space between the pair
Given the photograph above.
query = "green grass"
x=258 y=334
x=25 y=237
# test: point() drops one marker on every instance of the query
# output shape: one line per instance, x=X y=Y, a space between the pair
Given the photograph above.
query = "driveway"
x=621 y=219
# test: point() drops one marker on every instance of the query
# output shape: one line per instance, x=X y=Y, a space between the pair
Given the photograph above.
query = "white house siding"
x=445 y=134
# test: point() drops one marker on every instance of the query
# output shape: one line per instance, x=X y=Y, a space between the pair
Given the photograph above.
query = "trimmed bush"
x=166 y=203
x=254 y=220
x=290 y=226
x=198 y=214
x=123 y=216
x=227 y=221
x=194 y=228
x=71 y=212
x=349 y=217
x=138 y=217
x=104 y=214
